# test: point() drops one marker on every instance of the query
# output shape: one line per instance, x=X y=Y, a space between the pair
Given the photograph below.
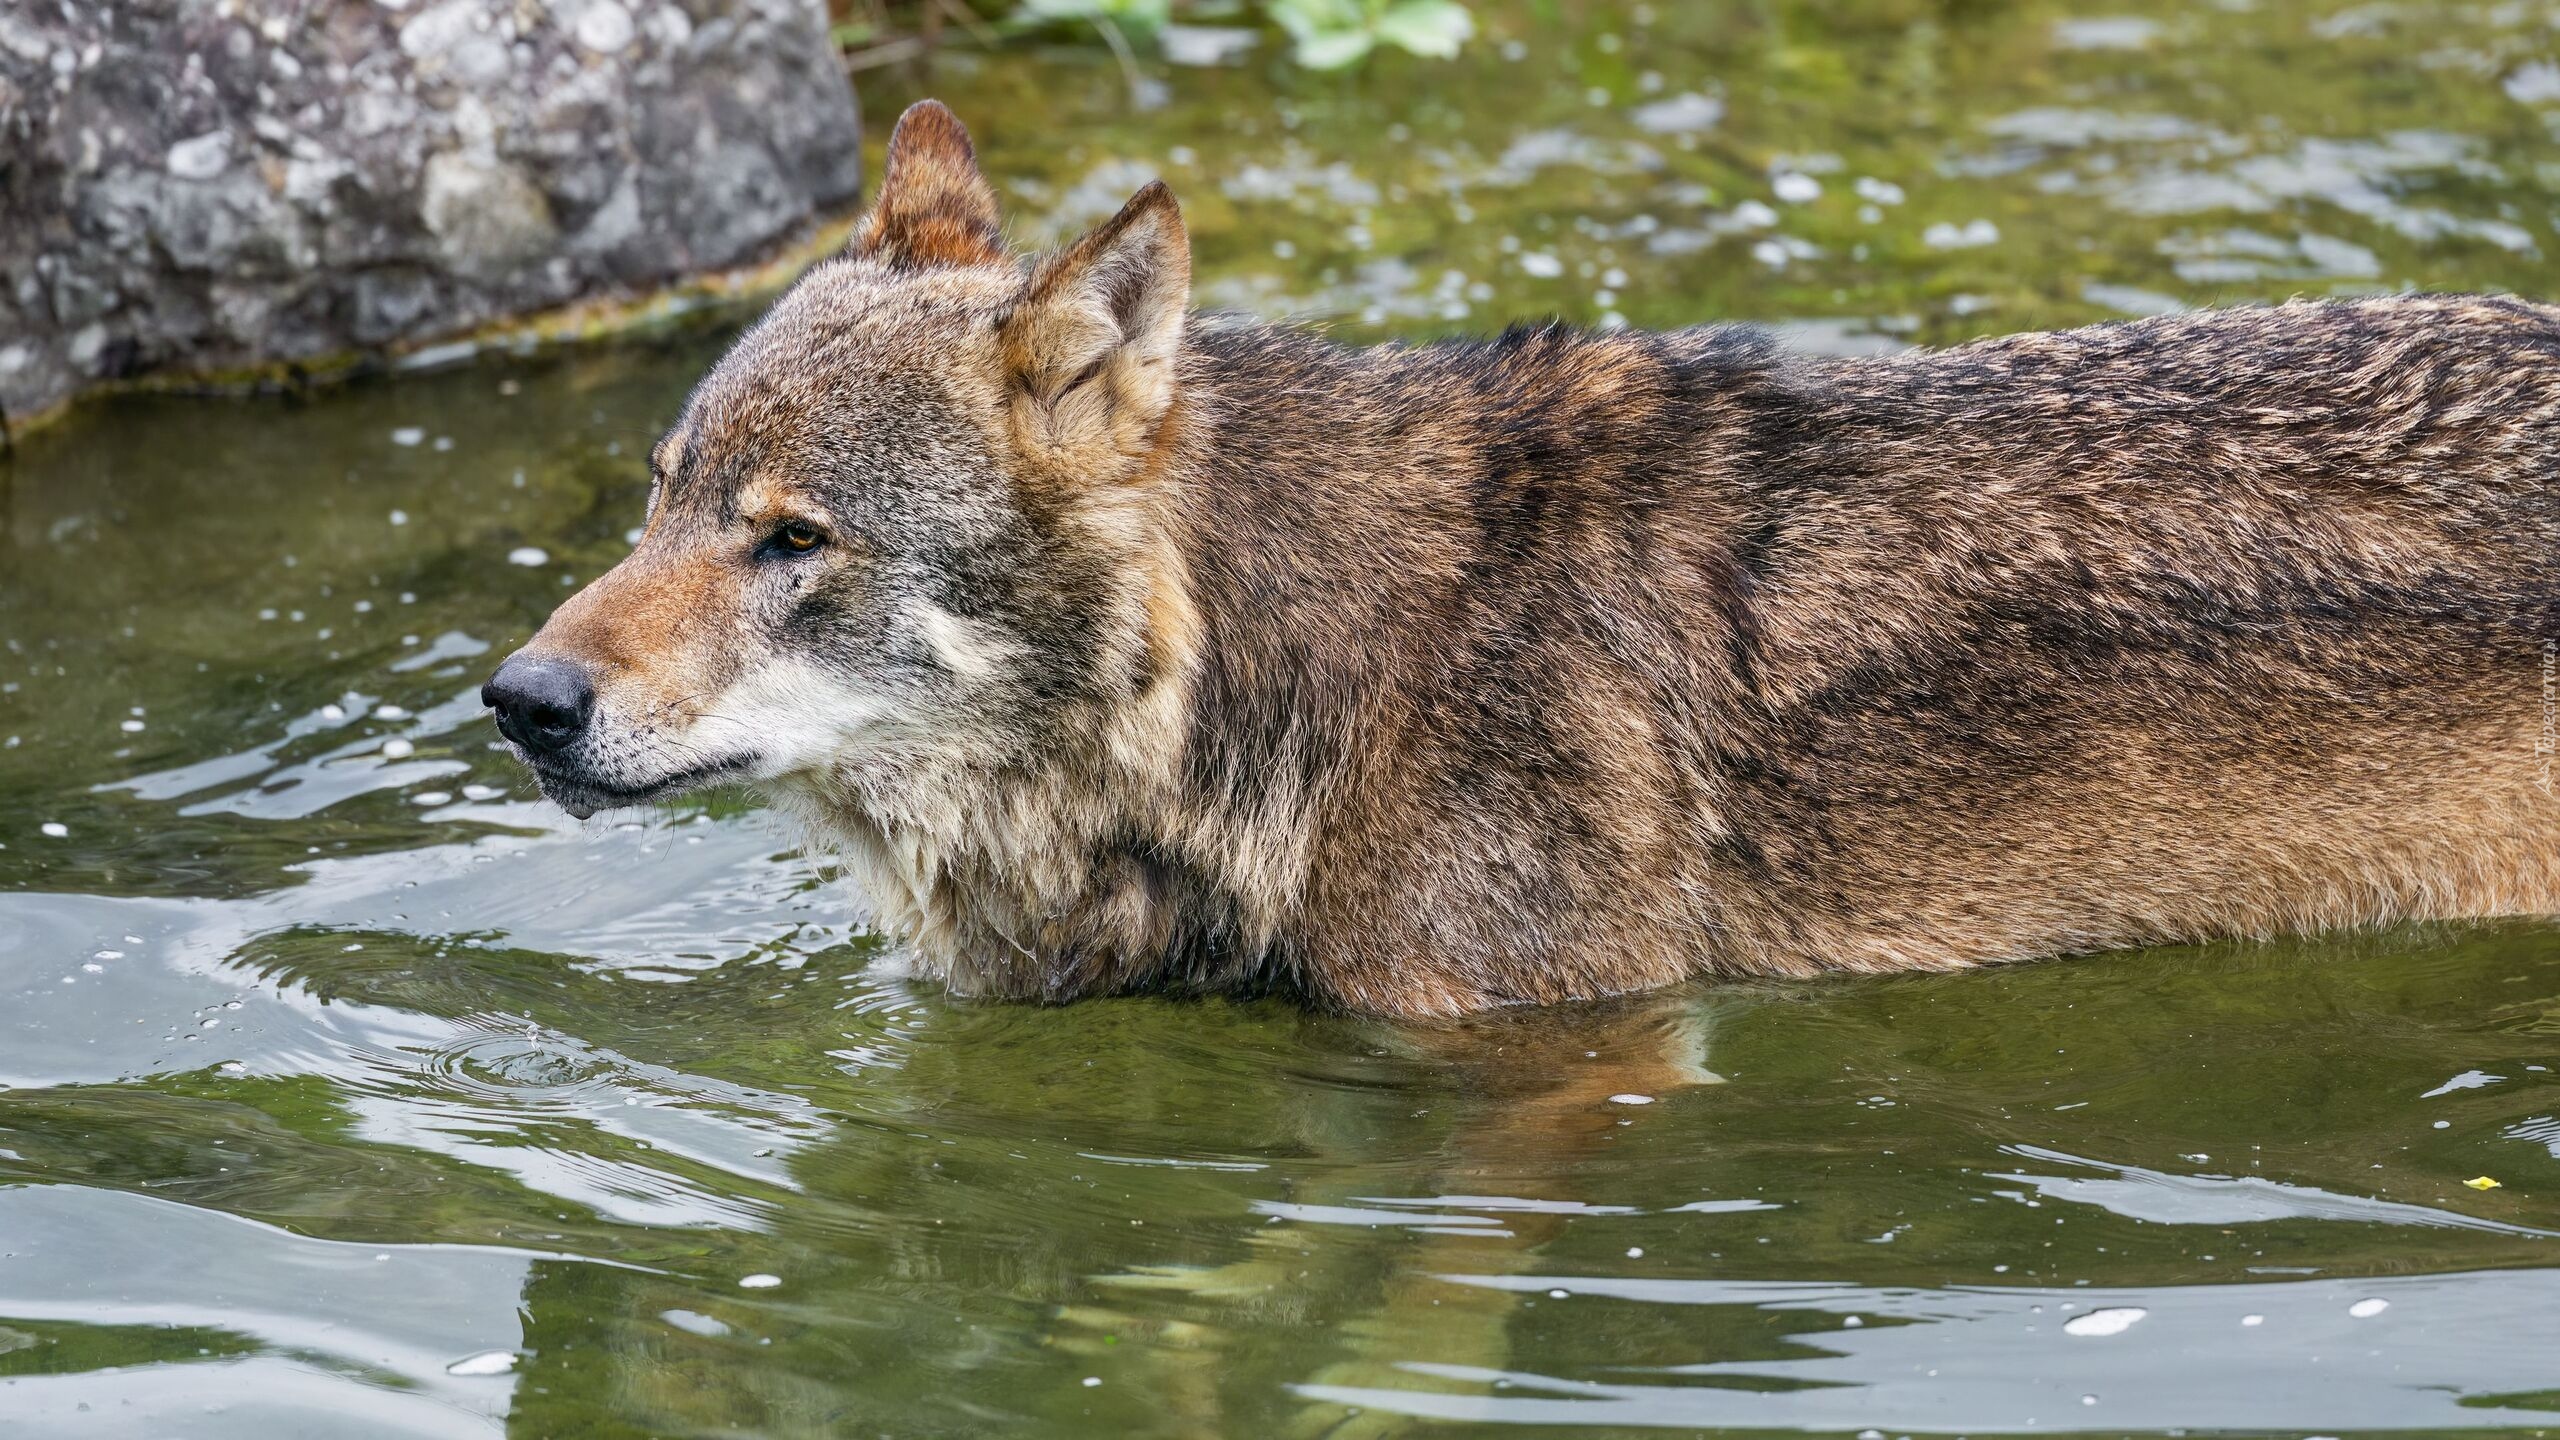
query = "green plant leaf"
x=1334 y=49
x=1305 y=20
x=1435 y=28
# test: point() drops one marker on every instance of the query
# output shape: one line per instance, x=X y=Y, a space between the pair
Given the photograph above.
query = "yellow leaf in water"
x=2481 y=1182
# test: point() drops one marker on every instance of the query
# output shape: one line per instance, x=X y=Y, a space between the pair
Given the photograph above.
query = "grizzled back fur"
x=1129 y=649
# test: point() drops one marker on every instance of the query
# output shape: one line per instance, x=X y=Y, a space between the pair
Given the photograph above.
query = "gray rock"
x=201 y=158
x=190 y=187
x=489 y=220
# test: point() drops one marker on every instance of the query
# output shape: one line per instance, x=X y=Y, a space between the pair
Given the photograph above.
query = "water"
x=348 y=1089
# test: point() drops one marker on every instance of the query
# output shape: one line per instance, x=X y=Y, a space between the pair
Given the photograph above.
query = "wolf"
x=1117 y=648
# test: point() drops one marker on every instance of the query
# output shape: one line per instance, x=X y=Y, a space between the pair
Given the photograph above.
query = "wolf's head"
x=904 y=529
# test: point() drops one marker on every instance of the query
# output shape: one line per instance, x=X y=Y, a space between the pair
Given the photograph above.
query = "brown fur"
x=1421 y=680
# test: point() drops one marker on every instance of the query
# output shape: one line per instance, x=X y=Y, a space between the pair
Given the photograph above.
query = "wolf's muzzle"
x=542 y=704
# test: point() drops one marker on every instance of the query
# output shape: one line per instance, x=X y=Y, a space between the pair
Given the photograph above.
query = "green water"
x=327 y=1072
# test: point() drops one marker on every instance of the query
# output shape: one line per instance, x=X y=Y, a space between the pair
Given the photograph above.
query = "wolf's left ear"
x=1093 y=339
x=935 y=208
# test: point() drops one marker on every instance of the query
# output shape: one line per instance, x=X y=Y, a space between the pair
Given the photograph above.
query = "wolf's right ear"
x=934 y=208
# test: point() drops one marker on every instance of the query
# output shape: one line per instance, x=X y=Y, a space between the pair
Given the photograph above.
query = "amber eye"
x=797 y=537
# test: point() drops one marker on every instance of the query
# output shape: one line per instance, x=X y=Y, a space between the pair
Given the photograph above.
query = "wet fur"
x=1200 y=655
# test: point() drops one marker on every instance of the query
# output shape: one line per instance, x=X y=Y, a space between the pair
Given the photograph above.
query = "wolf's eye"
x=797 y=537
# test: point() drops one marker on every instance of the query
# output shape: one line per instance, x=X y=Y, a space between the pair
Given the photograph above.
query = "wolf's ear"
x=1092 y=341
x=934 y=207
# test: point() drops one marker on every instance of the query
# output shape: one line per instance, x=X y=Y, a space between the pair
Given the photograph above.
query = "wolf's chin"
x=583 y=796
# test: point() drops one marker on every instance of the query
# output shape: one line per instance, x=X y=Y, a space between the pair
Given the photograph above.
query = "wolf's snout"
x=542 y=704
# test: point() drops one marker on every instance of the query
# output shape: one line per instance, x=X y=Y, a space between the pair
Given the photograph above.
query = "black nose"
x=541 y=704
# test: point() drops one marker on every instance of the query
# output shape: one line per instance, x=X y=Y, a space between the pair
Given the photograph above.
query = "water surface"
x=346 y=1088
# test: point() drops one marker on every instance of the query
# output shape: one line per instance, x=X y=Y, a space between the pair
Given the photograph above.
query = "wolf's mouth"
x=584 y=795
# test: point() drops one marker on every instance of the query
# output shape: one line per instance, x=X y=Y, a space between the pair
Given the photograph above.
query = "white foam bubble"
x=487 y=1362
x=2114 y=1320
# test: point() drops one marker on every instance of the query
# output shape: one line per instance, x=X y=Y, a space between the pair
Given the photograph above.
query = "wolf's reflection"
x=1544 y=1094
